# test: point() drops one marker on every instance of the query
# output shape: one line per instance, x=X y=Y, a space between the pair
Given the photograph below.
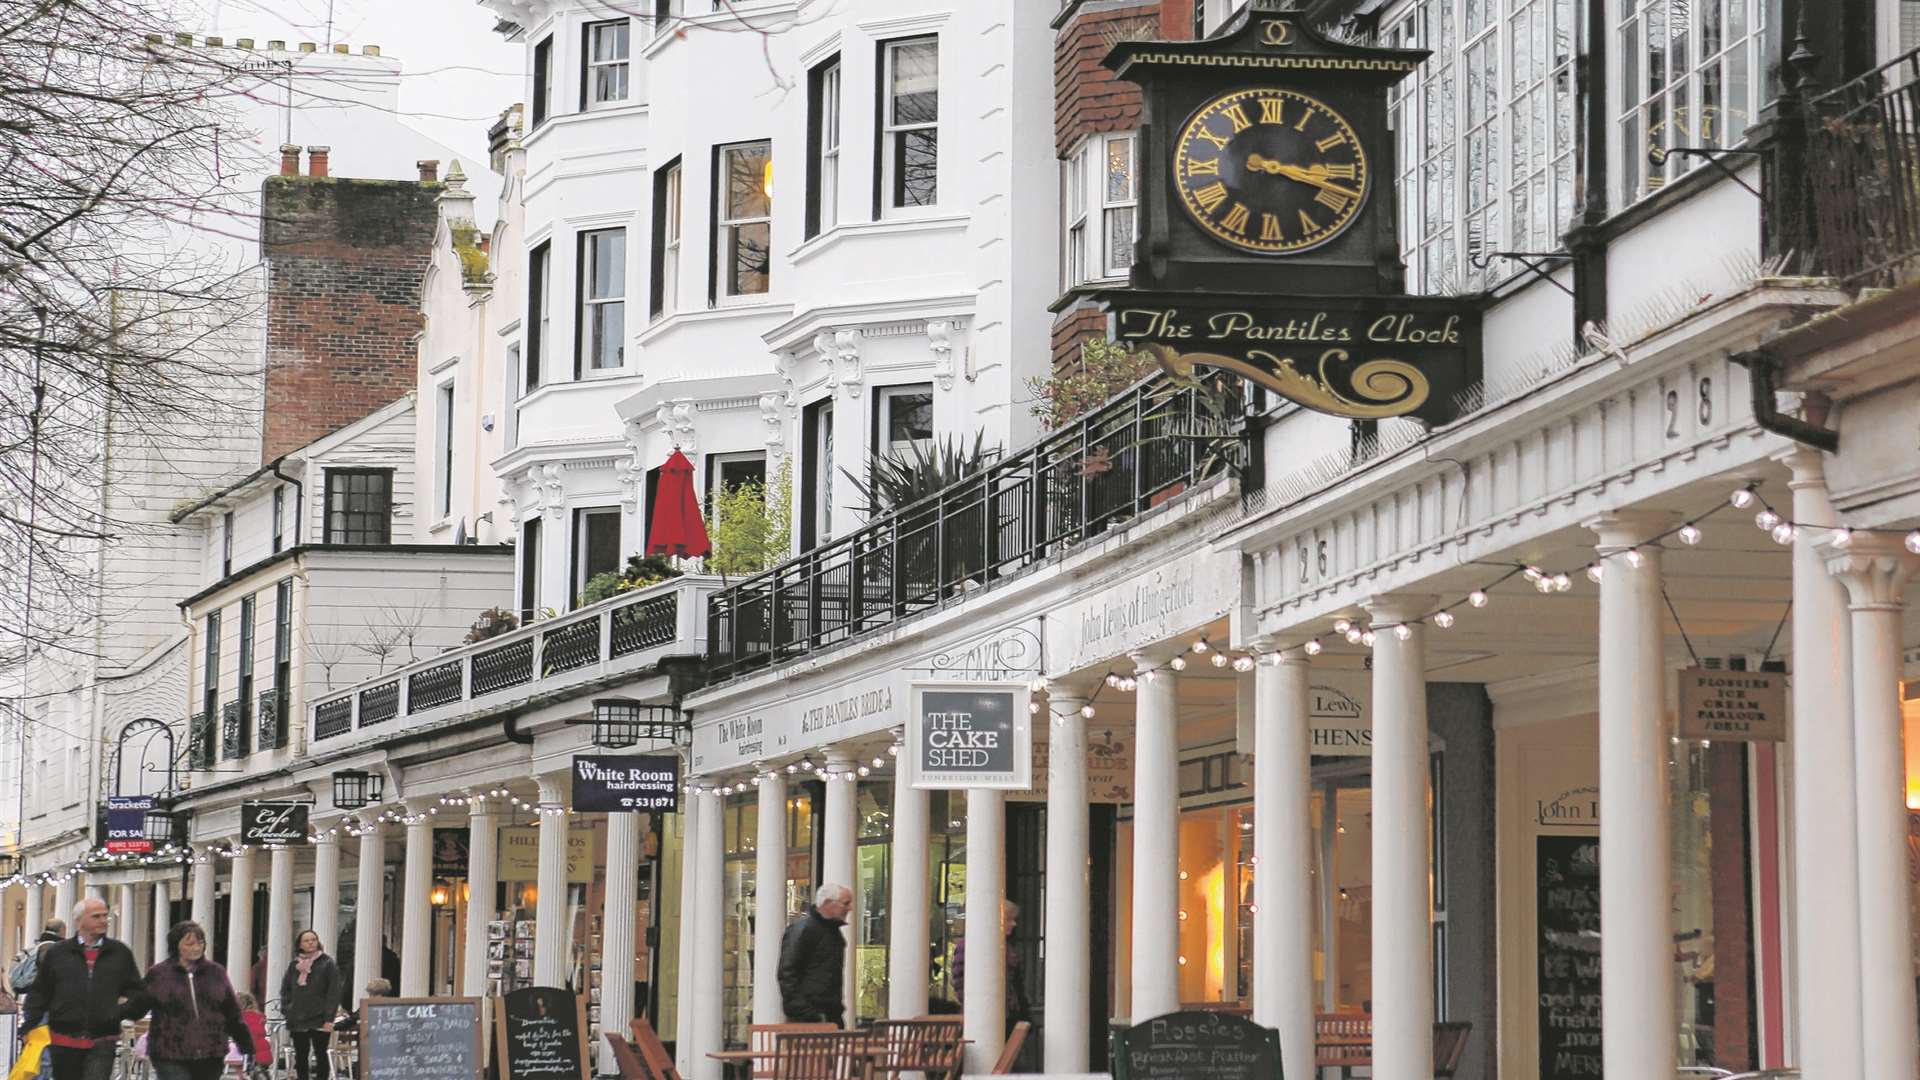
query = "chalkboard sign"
x=1197 y=1045
x=1568 y=917
x=542 y=1035
x=420 y=1039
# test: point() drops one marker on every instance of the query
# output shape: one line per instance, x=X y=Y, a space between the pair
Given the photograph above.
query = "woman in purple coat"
x=195 y=1011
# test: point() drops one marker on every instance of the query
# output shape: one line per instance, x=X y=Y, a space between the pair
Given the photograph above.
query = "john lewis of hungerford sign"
x=970 y=735
x=1141 y=610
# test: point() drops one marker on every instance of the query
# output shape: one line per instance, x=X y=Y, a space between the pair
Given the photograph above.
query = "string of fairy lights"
x=1779 y=527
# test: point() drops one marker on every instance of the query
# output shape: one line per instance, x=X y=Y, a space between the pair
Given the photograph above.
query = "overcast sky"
x=457 y=74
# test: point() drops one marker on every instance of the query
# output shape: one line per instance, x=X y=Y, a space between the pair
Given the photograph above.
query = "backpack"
x=26 y=970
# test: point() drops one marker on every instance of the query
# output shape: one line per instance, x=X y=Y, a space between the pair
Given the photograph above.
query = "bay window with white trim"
x=1099 y=197
x=1689 y=74
x=606 y=66
x=603 y=301
x=910 y=124
x=743 y=235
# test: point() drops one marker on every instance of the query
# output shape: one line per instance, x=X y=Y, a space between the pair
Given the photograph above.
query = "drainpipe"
x=510 y=727
x=1762 y=367
x=299 y=496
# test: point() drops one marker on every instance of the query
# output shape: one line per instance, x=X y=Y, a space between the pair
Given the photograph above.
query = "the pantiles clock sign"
x=1267 y=242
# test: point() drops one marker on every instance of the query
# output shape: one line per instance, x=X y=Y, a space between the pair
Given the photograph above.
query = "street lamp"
x=622 y=722
x=355 y=788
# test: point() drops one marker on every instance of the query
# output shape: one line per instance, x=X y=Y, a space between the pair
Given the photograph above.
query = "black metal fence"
x=1135 y=452
x=1861 y=218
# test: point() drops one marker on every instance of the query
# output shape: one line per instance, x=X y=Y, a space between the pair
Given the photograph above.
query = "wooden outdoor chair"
x=1342 y=1040
x=764 y=1041
x=930 y=1046
x=1449 y=1046
x=626 y=1058
x=653 y=1052
x=822 y=1055
x=1234 y=1008
x=1016 y=1039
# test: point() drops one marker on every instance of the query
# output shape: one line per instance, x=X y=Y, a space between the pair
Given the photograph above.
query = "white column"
x=1283 y=848
x=96 y=890
x=842 y=824
x=907 y=935
x=1826 y=871
x=685 y=1002
x=66 y=892
x=206 y=889
x=127 y=914
x=162 y=922
x=326 y=891
x=369 y=907
x=279 y=920
x=1636 y=871
x=550 y=906
x=708 y=955
x=984 y=1000
x=36 y=913
x=616 y=920
x=416 y=901
x=1402 y=904
x=239 y=962
x=483 y=867
x=1066 y=918
x=1875 y=571
x=1156 y=843
x=770 y=897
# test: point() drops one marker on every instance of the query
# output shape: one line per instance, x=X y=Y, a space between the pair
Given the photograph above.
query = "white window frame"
x=891 y=144
x=1088 y=251
x=670 y=245
x=1632 y=175
x=582 y=516
x=590 y=304
x=827 y=165
x=883 y=399
x=617 y=69
x=443 y=400
x=725 y=225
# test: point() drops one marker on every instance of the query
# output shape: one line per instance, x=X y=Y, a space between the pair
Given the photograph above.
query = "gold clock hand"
x=1308 y=176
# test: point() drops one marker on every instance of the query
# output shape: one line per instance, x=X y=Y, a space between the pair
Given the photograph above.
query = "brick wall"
x=345 y=263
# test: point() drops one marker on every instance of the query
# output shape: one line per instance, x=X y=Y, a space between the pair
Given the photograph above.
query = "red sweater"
x=256 y=1022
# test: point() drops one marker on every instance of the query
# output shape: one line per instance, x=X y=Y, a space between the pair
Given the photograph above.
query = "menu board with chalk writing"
x=420 y=1039
x=1569 y=949
x=1196 y=1045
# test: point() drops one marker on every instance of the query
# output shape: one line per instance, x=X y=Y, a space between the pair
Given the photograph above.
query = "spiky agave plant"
x=895 y=481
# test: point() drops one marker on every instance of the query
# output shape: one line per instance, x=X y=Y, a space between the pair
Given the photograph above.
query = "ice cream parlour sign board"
x=1743 y=706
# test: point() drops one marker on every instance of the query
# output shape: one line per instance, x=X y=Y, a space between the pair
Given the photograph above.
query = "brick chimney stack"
x=429 y=170
x=317 y=160
x=289 y=159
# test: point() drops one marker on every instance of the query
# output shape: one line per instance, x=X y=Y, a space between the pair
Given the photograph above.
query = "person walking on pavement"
x=813 y=958
x=86 y=986
x=195 y=1011
x=309 y=998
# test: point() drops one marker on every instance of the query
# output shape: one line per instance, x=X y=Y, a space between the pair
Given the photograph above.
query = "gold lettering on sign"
x=1276 y=33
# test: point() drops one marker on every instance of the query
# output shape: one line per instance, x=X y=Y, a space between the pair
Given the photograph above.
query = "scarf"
x=304 y=962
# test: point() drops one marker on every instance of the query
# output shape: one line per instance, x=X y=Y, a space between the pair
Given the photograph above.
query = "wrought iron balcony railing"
x=1135 y=452
x=273 y=720
x=1860 y=218
x=550 y=657
x=200 y=735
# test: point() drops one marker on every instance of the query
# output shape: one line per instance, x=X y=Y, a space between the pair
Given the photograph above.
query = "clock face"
x=1271 y=171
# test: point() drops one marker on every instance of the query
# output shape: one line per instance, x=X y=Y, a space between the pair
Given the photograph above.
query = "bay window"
x=665 y=296
x=1099 y=176
x=823 y=136
x=1689 y=76
x=603 y=301
x=743 y=235
x=604 y=66
x=910 y=123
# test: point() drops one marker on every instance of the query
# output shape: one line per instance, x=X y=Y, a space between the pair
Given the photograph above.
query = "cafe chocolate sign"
x=1361 y=357
x=274 y=823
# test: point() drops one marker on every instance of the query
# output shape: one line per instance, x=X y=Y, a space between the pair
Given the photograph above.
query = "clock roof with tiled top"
x=1266 y=163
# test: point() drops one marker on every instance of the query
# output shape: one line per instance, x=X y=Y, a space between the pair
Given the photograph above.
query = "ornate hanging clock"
x=1270 y=171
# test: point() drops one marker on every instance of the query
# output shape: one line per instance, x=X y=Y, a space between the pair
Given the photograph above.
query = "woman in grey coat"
x=309 y=997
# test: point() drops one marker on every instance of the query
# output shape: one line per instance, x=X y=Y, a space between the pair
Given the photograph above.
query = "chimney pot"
x=369 y=50
x=289 y=159
x=343 y=49
x=308 y=46
x=154 y=39
x=276 y=45
x=429 y=170
x=216 y=42
x=317 y=160
x=243 y=43
x=183 y=39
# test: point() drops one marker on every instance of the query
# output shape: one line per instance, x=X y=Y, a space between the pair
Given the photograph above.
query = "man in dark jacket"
x=88 y=984
x=813 y=958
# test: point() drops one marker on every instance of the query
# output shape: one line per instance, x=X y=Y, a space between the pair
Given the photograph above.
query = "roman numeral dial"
x=1270 y=171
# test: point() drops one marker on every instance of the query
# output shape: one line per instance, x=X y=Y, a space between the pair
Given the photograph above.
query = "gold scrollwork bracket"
x=1381 y=388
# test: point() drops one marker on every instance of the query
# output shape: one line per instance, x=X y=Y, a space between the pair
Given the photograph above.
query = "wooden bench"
x=1345 y=1041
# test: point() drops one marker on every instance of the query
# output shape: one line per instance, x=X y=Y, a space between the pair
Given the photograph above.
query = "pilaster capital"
x=1875 y=568
x=553 y=788
x=1391 y=609
x=1145 y=660
x=1809 y=466
x=839 y=758
x=1277 y=652
x=1624 y=529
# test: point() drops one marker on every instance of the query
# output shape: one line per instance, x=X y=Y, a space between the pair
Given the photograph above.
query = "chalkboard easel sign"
x=421 y=1039
x=1197 y=1045
x=542 y=1035
x=1569 y=946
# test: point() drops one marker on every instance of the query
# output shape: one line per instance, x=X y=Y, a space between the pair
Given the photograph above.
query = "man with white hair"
x=87 y=985
x=813 y=958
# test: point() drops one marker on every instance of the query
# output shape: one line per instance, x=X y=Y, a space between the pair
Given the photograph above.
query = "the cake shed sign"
x=1741 y=706
x=971 y=735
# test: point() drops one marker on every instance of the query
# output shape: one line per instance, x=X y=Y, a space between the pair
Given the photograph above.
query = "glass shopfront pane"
x=875 y=869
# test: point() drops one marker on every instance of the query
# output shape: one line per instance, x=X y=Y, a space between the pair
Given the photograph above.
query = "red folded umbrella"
x=677 y=526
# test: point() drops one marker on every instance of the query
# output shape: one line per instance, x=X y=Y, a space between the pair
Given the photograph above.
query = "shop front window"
x=875 y=871
x=741 y=829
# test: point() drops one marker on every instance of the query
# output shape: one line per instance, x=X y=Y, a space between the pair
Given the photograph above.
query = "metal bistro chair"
x=764 y=1041
x=344 y=1053
x=898 y=1047
x=822 y=1055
